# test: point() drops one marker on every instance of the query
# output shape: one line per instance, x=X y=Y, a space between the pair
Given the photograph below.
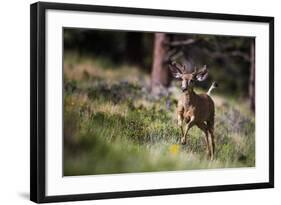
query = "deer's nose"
x=183 y=89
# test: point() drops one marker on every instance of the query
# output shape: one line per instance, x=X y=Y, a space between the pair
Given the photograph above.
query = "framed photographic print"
x=129 y=102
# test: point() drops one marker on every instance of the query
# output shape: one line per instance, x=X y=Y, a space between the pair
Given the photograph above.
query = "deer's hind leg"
x=210 y=125
x=211 y=131
x=204 y=128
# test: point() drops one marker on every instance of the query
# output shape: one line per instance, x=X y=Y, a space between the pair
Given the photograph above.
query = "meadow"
x=112 y=124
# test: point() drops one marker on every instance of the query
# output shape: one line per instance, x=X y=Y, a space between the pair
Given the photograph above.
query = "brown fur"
x=196 y=109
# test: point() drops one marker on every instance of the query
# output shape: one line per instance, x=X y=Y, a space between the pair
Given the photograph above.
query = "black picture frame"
x=38 y=101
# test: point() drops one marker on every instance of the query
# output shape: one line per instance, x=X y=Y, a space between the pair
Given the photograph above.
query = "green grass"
x=115 y=126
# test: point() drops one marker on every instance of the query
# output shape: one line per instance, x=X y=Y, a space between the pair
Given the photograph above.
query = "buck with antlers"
x=195 y=109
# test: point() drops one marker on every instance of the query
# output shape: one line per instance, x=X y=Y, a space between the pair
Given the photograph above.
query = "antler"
x=194 y=71
x=203 y=70
x=177 y=66
x=202 y=74
x=182 y=68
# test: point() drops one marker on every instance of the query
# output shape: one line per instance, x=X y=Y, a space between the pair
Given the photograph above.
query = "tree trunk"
x=252 y=76
x=160 y=77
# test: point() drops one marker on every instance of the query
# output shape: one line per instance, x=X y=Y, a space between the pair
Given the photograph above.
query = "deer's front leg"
x=180 y=121
x=188 y=126
x=180 y=111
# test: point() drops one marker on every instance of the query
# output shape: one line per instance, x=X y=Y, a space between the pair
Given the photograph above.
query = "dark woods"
x=231 y=60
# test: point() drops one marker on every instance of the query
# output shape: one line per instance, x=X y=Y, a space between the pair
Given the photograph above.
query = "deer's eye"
x=191 y=81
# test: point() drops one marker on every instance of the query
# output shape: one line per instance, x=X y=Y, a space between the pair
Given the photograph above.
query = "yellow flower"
x=174 y=149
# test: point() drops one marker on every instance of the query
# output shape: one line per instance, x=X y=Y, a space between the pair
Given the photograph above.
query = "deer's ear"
x=176 y=73
x=202 y=74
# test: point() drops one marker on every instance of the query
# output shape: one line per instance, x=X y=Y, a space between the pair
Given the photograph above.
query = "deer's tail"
x=214 y=85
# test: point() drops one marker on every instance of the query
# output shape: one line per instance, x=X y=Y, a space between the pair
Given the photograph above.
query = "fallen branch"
x=182 y=43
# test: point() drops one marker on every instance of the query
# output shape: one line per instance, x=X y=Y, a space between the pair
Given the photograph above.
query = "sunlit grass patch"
x=95 y=69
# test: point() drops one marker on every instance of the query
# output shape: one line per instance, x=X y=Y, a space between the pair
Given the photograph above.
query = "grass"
x=113 y=125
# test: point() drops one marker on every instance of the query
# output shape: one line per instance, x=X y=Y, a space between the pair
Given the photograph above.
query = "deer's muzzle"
x=184 y=89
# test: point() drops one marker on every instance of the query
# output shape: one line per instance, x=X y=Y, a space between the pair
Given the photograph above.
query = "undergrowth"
x=116 y=126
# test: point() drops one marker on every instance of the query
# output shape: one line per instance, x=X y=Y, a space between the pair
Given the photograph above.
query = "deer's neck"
x=189 y=96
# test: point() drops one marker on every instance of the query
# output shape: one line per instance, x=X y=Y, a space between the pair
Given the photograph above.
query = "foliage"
x=116 y=126
x=227 y=56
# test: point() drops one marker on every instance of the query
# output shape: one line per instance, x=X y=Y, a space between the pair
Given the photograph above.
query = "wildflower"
x=174 y=149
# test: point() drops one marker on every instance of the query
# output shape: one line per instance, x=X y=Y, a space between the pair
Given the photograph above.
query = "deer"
x=195 y=109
